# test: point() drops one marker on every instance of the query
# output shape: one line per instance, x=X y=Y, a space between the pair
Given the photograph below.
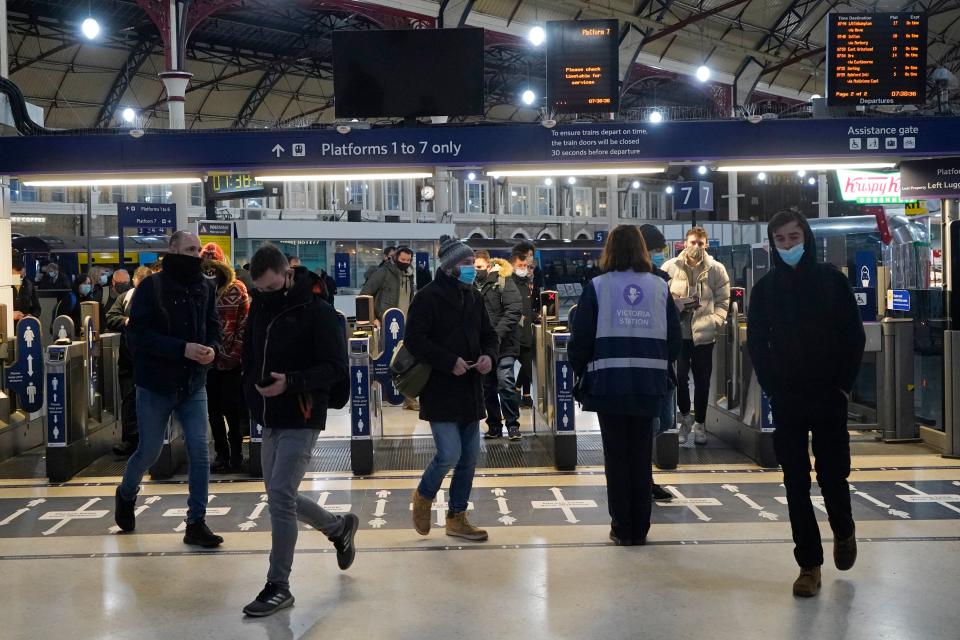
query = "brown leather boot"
x=808 y=584
x=845 y=552
x=422 y=513
x=459 y=527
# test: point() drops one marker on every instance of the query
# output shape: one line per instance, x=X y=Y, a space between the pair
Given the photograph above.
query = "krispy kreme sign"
x=869 y=187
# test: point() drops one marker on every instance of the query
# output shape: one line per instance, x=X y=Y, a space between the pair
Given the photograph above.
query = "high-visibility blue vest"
x=630 y=353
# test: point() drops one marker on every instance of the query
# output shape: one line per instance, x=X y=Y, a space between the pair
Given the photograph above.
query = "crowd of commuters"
x=198 y=335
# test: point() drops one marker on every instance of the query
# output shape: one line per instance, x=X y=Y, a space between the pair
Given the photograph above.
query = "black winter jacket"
x=804 y=330
x=448 y=321
x=301 y=337
x=25 y=301
x=158 y=333
x=528 y=316
x=501 y=297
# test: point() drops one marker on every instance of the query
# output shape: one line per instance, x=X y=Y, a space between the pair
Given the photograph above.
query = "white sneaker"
x=686 y=423
x=699 y=433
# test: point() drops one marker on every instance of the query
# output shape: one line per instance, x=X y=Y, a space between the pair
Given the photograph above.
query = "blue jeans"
x=668 y=410
x=153 y=414
x=458 y=443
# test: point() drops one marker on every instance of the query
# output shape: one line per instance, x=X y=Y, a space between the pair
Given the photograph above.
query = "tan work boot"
x=459 y=527
x=808 y=584
x=422 y=509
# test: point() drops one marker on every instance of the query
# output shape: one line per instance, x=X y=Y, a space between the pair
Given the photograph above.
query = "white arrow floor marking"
x=943 y=500
x=13 y=516
x=378 y=521
x=566 y=506
x=332 y=508
x=894 y=512
x=182 y=513
x=816 y=500
x=66 y=516
x=503 y=508
x=693 y=504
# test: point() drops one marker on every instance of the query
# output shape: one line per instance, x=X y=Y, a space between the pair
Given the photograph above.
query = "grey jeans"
x=285 y=454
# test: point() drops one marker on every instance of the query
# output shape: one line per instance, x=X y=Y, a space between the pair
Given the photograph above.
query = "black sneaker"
x=346 y=551
x=123 y=513
x=526 y=401
x=661 y=494
x=124 y=449
x=199 y=534
x=514 y=433
x=845 y=552
x=490 y=434
x=269 y=601
x=618 y=541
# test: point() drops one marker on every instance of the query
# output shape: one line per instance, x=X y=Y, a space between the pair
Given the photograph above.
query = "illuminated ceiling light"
x=703 y=73
x=762 y=177
x=548 y=182
x=815 y=96
x=53 y=181
x=129 y=115
x=537 y=36
x=528 y=97
x=801 y=173
x=669 y=190
x=90 y=28
x=702 y=170
x=336 y=177
x=580 y=171
x=811 y=181
x=797 y=166
x=471 y=176
x=571 y=180
x=655 y=117
x=635 y=184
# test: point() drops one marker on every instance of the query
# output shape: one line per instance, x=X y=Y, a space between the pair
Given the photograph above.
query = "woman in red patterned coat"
x=224 y=381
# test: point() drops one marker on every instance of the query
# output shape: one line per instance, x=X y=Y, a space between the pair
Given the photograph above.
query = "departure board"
x=876 y=59
x=583 y=65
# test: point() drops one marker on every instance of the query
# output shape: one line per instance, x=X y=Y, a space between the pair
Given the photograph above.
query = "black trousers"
x=699 y=359
x=225 y=405
x=128 y=407
x=627 y=450
x=525 y=377
x=825 y=416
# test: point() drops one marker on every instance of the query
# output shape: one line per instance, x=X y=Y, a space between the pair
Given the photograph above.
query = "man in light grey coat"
x=700 y=288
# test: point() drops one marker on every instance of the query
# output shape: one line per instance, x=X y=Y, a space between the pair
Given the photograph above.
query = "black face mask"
x=404 y=267
x=181 y=267
x=481 y=276
x=122 y=288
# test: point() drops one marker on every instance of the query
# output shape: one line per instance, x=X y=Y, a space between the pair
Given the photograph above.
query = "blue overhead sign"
x=479 y=144
x=341 y=269
x=148 y=219
x=693 y=196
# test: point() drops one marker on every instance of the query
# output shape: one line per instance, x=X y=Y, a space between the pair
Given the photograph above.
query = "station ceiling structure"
x=268 y=63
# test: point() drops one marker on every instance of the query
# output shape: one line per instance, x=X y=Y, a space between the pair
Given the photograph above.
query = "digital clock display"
x=876 y=59
x=233 y=185
x=583 y=66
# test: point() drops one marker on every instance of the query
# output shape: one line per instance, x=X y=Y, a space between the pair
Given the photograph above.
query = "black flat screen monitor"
x=408 y=73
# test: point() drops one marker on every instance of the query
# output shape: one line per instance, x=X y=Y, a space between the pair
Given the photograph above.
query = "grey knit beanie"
x=452 y=252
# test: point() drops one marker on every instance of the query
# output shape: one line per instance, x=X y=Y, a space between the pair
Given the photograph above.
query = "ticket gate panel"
x=22 y=393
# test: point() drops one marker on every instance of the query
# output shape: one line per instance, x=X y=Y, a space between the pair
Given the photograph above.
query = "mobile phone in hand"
x=263 y=383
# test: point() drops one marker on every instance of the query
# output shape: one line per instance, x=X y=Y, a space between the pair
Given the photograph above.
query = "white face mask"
x=522 y=272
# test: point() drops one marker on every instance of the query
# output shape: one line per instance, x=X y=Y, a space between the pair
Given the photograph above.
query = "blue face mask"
x=792 y=255
x=85 y=289
x=659 y=259
x=467 y=275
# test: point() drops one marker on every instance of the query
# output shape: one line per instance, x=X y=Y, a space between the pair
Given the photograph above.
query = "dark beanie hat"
x=452 y=252
x=652 y=237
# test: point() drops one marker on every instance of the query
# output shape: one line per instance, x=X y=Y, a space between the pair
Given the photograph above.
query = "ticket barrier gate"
x=740 y=413
x=552 y=387
x=366 y=416
x=21 y=394
x=82 y=395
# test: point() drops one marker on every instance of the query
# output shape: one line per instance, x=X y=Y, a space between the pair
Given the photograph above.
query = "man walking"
x=501 y=297
x=449 y=329
x=806 y=342
x=295 y=365
x=25 y=301
x=174 y=334
x=701 y=290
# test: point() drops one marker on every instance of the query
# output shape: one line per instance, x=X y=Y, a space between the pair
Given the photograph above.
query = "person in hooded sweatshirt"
x=174 y=334
x=806 y=341
x=224 y=381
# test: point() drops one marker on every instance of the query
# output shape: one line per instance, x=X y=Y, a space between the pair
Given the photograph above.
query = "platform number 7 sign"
x=693 y=196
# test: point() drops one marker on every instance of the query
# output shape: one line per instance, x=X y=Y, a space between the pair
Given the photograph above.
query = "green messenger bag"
x=409 y=376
